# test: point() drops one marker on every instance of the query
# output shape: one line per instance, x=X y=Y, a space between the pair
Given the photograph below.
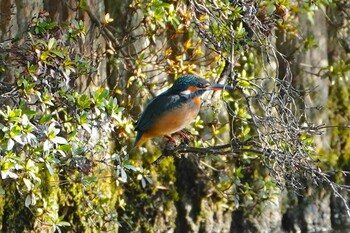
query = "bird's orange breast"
x=175 y=119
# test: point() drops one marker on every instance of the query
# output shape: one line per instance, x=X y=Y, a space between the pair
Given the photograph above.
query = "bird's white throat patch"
x=186 y=92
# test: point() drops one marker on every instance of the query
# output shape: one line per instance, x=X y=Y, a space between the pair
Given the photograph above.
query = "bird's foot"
x=170 y=139
x=185 y=137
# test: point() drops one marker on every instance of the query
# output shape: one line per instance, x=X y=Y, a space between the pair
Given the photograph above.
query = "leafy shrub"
x=50 y=134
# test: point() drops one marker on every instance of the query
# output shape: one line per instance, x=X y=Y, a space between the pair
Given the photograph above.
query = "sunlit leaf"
x=28 y=201
x=131 y=167
x=143 y=182
x=28 y=184
x=52 y=43
x=49 y=168
x=10 y=144
x=59 y=140
x=123 y=175
x=63 y=224
x=47 y=145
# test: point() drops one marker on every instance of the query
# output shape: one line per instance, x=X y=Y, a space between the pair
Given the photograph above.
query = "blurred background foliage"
x=75 y=76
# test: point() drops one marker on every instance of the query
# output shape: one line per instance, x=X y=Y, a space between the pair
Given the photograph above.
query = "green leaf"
x=44 y=56
x=89 y=179
x=45 y=118
x=243 y=83
x=52 y=43
x=83 y=117
x=52 y=131
x=29 y=113
x=58 y=53
x=2 y=191
x=63 y=224
x=101 y=95
x=64 y=147
x=32 y=68
x=84 y=101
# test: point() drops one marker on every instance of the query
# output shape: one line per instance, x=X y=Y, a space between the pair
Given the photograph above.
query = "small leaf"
x=149 y=180
x=89 y=179
x=25 y=120
x=123 y=175
x=59 y=140
x=45 y=118
x=28 y=183
x=87 y=127
x=58 y=53
x=244 y=83
x=131 y=167
x=143 y=183
x=49 y=168
x=63 y=224
x=44 y=56
x=10 y=144
x=30 y=164
x=20 y=139
x=65 y=147
x=47 y=145
x=31 y=139
x=107 y=18
x=62 y=153
x=28 y=201
x=51 y=44
x=5 y=174
x=53 y=132
x=2 y=191
x=83 y=117
x=29 y=113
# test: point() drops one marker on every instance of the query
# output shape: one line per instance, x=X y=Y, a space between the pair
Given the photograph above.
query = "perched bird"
x=174 y=109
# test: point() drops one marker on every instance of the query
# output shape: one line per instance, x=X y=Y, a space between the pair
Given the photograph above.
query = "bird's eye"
x=203 y=85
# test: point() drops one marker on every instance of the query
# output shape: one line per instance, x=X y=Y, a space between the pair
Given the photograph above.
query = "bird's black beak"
x=218 y=87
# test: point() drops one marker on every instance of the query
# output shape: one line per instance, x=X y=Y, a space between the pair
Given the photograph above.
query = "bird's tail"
x=140 y=139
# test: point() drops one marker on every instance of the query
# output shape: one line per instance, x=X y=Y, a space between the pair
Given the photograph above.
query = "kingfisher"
x=174 y=109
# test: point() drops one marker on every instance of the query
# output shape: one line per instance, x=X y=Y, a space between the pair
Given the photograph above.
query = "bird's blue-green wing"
x=157 y=107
